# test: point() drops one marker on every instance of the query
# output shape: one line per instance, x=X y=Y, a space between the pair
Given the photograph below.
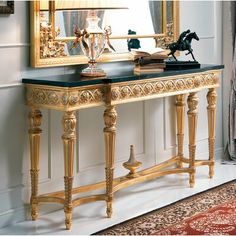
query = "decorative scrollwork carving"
x=98 y=95
x=115 y=94
x=170 y=85
x=159 y=86
x=49 y=48
x=197 y=81
x=151 y=88
x=73 y=98
x=51 y=97
x=125 y=91
x=148 y=88
x=180 y=84
x=64 y=99
x=137 y=90
x=190 y=83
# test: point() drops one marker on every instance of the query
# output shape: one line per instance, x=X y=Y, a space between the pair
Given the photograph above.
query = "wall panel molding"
x=131 y=129
x=14 y=45
x=10 y=85
x=207 y=37
x=50 y=139
x=169 y=132
x=77 y=157
x=10 y=189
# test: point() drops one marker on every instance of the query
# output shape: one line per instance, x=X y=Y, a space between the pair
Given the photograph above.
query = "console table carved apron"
x=69 y=93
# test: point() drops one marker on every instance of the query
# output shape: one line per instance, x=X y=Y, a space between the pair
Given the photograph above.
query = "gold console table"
x=69 y=93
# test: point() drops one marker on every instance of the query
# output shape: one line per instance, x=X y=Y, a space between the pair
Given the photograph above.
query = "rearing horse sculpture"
x=183 y=45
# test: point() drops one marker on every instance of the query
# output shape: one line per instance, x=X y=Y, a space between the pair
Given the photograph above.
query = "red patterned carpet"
x=210 y=212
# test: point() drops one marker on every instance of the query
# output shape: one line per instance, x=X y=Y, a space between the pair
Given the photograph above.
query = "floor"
x=128 y=203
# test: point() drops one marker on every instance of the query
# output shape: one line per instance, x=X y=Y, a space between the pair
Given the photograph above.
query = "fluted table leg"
x=68 y=137
x=110 y=116
x=211 y=113
x=35 y=118
x=180 y=112
x=192 y=128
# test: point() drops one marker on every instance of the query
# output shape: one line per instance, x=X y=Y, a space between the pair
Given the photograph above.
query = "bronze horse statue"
x=183 y=44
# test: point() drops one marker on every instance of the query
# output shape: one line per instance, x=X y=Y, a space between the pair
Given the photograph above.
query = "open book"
x=155 y=53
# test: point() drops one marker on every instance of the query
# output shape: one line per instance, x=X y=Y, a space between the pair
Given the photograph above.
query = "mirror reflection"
x=144 y=18
x=154 y=23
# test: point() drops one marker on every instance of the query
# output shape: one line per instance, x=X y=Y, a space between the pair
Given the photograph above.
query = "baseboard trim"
x=13 y=216
x=20 y=214
x=4 y=86
x=219 y=152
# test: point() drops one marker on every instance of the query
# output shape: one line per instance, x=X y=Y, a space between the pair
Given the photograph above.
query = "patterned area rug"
x=209 y=212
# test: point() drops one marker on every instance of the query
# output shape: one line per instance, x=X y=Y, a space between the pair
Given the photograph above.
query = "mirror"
x=156 y=23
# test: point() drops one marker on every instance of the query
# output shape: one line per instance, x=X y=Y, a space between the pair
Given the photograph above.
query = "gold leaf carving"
x=85 y=96
x=53 y=98
x=65 y=99
x=69 y=99
x=180 y=84
x=125 y=91
x=49 y=48
x=159 y=86
x=110 y=117
x=115 y=94
x=148 y=88
x=40 y=96
x=151 y=88
x=137 y=90
x=50 y=97
x=73 y=99
x=97 y=95
x=170 y=85
x=190 y=83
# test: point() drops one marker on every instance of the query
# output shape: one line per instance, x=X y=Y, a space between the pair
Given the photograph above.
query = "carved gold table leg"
x=110 y=117
x=211 y=113
x=68 y=137
x=180 y=112
x=192 y=128
x=35 y=118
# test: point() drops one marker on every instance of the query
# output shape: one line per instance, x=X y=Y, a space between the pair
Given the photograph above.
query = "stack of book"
x=151 y=61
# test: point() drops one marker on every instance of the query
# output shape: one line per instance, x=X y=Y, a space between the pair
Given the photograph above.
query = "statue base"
x=181 y=65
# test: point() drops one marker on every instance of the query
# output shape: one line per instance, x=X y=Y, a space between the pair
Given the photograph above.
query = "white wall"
x=148 y=125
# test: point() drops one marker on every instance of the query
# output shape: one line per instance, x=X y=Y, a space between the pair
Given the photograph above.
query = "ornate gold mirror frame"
x=47 y=50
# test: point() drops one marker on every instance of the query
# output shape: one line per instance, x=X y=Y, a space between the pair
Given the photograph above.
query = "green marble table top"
x=116 y=75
